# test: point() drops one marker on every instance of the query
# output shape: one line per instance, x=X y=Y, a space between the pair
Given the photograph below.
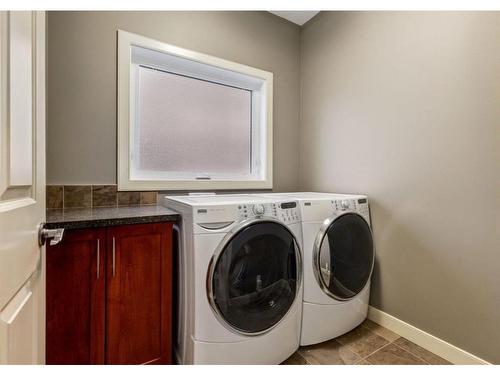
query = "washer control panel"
x=287 y=212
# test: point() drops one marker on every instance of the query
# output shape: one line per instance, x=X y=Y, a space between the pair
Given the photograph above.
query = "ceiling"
x=299 y=17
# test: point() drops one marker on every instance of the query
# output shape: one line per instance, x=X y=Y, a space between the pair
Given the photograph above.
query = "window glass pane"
x=188 y=125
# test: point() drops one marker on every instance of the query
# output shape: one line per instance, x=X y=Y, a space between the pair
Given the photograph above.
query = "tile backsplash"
x=79 y=196
x=92 y=196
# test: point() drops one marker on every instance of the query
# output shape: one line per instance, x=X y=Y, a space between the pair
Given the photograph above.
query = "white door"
x=22 y=187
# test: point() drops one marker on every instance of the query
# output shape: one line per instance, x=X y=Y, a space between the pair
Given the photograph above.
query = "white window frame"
x=230 y=72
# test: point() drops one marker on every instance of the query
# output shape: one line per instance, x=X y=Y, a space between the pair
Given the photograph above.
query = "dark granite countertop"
x=108 y=216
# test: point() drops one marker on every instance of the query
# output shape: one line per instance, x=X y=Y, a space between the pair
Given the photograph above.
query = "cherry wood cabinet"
x=75 y=294
x=139 y=294
x=109 y=296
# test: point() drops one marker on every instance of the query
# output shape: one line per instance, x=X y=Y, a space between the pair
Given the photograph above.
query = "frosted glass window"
x=190 y=121
x=190 y=125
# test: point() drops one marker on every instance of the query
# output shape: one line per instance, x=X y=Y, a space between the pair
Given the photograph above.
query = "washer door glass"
x=255 y=278
x=345 y=256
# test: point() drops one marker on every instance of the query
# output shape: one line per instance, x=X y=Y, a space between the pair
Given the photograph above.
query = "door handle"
x=114 y=249
x=55 y=235
x=98 y=259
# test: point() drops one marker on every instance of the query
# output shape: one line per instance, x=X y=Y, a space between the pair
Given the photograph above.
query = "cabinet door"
x=139 y=294
x=75 y=298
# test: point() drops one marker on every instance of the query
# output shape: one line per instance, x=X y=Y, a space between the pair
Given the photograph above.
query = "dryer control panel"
x=359 y=205
x=288 y=212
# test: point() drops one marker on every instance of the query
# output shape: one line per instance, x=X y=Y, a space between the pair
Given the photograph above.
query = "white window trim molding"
x=125 y=123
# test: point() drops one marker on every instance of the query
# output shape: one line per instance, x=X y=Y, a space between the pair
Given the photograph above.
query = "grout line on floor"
x=352 y=351
x=374 y=332
x=359 y=361
x=304 y=358
x=365 y=358
x=413 y=354
x=382 y=347
x=349 y=349
x=390 y=342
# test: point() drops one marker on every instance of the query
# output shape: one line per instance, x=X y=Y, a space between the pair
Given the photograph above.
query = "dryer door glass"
x=345 y=257
x=255 y=277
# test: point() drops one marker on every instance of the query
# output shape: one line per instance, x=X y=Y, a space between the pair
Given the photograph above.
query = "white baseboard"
x=425 y=340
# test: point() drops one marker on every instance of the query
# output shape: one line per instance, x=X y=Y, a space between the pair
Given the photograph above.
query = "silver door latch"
x=55 y=235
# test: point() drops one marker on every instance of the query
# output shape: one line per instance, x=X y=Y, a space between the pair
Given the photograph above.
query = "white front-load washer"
x=338 y=262
x=240 y=279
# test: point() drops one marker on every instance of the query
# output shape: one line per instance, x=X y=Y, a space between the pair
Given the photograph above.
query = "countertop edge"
x=99 y=223
x=108 y=217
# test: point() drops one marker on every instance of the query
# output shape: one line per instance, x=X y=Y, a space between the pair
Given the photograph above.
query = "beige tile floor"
x=368 y=344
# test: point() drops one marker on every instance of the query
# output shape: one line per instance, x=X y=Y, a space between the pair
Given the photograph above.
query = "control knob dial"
x=344 y=204
x=258 y=209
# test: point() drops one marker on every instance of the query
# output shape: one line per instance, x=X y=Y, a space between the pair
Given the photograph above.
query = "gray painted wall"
x=81 y=130
x=405 y=107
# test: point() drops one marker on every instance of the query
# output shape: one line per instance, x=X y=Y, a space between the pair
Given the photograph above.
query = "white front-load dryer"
x=338 y=262
x=240 y=284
